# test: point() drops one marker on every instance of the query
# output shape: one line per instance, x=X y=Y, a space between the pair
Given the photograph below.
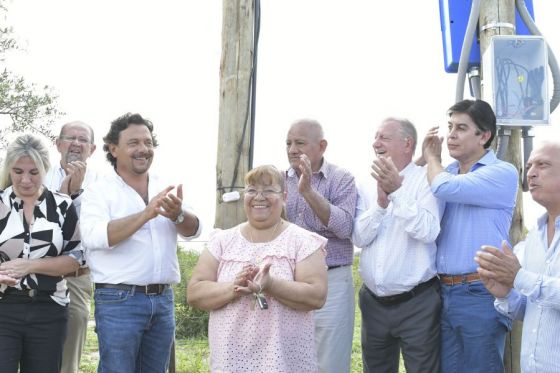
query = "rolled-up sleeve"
x=512 y=306
x=94 y=220
x=342 y=207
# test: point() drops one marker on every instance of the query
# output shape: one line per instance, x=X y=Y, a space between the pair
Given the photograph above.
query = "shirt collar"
x=15 y=200
x=543 y=220
x=408 y=169
x=486 y=159
x=61 y=170
x=113 y=173
x=324 y=170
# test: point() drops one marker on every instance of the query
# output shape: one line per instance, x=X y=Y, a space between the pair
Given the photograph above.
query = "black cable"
x=251 y=98
x=256 y=33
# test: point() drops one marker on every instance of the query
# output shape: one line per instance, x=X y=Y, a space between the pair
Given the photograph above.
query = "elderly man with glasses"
x=71 y=176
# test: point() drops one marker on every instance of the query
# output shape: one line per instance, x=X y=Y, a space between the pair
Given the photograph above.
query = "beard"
x=72 y=157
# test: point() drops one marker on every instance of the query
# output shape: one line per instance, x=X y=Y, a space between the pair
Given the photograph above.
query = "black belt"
x=393 y=300
x=151 y=289
x=31 y=293
x=336 y=266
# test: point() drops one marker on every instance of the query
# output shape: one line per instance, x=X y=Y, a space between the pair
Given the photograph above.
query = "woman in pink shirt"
x=261 y=280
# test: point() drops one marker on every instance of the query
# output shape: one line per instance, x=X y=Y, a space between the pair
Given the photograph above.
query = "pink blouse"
x=247 y=339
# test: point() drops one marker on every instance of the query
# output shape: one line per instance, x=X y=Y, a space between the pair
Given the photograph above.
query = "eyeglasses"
x=81 y=140
x=266 y=193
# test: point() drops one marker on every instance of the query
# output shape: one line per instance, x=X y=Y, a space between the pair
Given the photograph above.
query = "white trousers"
x=334 y=323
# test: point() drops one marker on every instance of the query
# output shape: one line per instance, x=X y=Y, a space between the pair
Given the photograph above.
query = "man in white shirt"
x=130 y=220
x=71 y=176
x=527 y=284
x=396 y=225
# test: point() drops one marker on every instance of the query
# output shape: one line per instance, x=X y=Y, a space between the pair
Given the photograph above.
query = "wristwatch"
x=180 y=218
x=77 y=194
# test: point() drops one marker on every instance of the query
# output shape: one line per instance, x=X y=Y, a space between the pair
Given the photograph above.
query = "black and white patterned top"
x=54 y=232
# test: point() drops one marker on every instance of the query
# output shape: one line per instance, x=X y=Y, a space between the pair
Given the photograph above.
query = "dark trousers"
x=32 y=333
x=413 y=326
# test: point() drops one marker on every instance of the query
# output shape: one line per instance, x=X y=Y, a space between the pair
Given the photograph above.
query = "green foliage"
x=23 y=107
x=192 y=355
x=191 y=322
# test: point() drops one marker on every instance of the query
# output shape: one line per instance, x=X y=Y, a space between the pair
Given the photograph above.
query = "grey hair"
x=78 y=123
x=26 y=145
x=313 y=125
x=407 y=129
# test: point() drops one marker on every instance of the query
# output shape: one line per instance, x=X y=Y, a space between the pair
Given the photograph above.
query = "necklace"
x=271 y=236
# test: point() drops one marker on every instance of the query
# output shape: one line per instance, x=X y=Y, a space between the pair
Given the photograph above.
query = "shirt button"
x=534 y=330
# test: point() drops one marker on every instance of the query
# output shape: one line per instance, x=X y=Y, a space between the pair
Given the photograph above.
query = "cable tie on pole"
x=495 y=25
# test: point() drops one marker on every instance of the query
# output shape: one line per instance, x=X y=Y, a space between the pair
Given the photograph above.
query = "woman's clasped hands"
x=252 y=280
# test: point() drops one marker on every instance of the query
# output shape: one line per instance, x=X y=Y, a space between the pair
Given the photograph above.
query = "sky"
x=346 y=63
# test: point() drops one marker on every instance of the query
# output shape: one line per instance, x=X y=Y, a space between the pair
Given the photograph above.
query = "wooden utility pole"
x=234 y=123
x=497 y=17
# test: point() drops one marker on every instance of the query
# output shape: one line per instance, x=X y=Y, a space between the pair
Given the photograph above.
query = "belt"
x=31 y=293
x=151 y=289
x=336 y=266
x=393 y=300
x=459 y=279
x=78 y=273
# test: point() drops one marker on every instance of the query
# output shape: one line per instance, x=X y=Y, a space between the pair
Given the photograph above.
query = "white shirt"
x=149 y=256
x=53 y=180
x=535 y=299
x=398 y=243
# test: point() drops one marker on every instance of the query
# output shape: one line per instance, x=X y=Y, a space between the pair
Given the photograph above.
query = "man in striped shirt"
x=322 y=199
x=527 y=284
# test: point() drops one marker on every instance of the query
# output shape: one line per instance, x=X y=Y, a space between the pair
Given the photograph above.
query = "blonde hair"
x=265 y=175
x=26 y=145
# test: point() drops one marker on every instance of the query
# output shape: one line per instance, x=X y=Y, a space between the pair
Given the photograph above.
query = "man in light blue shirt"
x=479 y=191
x=528 y=289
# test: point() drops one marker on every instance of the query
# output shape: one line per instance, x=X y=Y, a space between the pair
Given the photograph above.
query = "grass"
x=192 y=355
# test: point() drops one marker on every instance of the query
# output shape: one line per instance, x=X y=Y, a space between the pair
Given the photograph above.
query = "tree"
x=23 y=107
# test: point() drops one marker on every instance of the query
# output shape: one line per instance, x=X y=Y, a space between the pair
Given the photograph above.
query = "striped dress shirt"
x=535 y=299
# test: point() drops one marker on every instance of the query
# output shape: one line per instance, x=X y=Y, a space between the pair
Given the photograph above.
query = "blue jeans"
x=135 y=331
x=472 y=332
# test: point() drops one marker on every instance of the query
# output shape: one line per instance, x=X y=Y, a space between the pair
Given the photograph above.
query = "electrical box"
x=454 y=17
x=515 y=80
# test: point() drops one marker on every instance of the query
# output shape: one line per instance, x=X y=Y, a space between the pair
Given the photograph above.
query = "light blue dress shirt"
x=535 y=299
x=478 y=211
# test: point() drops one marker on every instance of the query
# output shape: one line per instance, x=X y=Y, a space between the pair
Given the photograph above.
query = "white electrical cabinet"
x=515 y=77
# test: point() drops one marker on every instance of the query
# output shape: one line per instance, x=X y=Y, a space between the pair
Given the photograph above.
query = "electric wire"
x=466 y=50
x=552 y=62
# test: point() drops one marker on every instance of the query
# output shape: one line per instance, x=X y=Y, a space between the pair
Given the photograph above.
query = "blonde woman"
x=40 y=241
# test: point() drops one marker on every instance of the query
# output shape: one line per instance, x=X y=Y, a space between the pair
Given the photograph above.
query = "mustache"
x=71 y=157
x=142 y=155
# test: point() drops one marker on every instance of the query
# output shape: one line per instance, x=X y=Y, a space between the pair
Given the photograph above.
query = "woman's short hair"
x=265 y=175
x=26 y=145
